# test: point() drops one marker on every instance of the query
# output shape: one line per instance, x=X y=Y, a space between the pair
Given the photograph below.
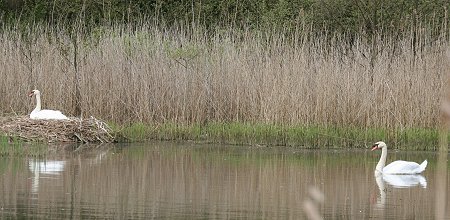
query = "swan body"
x=405 y=167
x=37 y=113
x=396 y=167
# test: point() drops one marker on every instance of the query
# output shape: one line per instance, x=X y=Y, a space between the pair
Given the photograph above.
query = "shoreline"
x=234 y=133
x=243 y=134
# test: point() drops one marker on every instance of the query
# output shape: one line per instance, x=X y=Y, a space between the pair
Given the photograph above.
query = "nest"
x=72 y=130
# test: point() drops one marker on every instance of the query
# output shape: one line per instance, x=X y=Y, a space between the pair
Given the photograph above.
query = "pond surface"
x=198 y=181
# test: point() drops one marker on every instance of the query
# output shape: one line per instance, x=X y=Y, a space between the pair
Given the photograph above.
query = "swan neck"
x=38 y=102
x=382 y=161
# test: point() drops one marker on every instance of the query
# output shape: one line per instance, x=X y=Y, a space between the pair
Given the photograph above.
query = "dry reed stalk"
x=154 y=75
x=72 y=130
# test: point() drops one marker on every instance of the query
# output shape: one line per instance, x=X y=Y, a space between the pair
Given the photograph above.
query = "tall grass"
x=186 y=76
x=261 y=134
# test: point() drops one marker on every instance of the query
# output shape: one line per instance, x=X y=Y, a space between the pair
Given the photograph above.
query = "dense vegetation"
x=356 y=16
x=301 y=67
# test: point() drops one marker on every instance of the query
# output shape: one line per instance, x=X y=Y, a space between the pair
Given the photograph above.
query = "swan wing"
x=47 y=114
x=404 y=167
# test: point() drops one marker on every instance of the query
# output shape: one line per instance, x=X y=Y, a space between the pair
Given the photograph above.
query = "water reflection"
x=49 y=169
x=173 y=181
x=381 y=200
x=405 y=181
x=396 y=181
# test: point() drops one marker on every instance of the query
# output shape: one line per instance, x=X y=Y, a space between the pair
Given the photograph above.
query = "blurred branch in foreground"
x=441 y=170
x=311 y=205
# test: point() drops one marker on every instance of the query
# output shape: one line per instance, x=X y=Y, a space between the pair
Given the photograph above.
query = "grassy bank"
x=255 y=134
x=278 y=135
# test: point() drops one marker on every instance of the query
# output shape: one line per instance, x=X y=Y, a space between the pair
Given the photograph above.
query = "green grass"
x=260 y=134
x=312 y=136
x=13 y=146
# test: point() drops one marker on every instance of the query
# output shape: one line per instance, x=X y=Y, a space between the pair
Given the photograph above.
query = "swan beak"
x=375 y=147
x=30 y=93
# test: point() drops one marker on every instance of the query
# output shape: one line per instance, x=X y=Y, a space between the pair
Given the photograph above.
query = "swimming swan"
x=396 y=167
x=37 y=113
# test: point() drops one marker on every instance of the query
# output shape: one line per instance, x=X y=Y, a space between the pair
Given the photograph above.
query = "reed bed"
x=186 y=76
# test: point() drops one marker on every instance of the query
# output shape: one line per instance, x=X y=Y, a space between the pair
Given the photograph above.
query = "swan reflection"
x=45 y=168
x=381 y=201
x=405 y=181
x=396 y=181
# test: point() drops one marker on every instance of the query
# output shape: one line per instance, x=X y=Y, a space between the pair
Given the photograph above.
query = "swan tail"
x=423 y=165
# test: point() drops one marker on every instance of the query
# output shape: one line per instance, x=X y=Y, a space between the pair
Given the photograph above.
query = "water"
x=191 y=181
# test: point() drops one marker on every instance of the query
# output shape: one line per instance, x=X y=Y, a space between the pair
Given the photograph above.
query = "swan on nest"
x=39 y=113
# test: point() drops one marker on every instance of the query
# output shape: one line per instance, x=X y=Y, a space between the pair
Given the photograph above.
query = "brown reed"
x=158 y=75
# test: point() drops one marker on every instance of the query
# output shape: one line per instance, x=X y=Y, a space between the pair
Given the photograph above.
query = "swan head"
x=34 y=92
x=378 y=145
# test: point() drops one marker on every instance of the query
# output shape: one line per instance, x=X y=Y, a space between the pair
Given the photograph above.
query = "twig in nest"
x=72 y=130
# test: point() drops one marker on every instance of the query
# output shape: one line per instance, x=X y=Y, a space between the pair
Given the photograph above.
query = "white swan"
x=396 y=167
x=37 y=113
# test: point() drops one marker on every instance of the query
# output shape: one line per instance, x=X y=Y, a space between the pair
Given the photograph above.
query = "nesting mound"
x=71 y=130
